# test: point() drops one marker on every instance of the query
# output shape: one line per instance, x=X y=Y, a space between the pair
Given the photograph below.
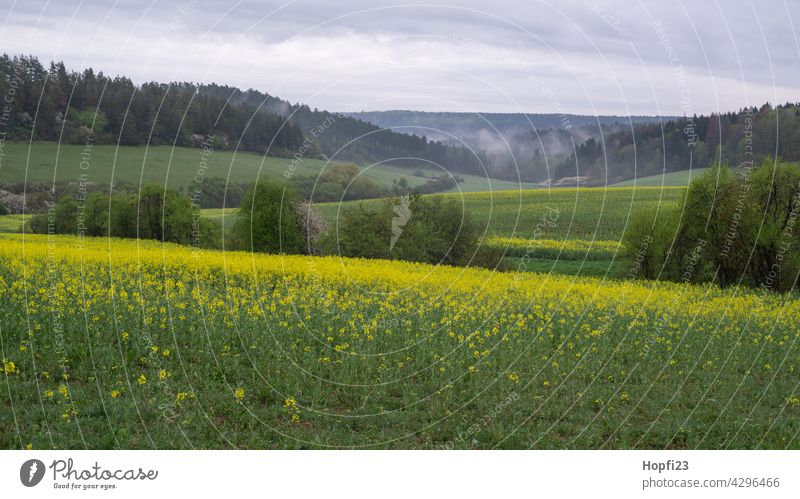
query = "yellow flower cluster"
x=374 y=323
x=136 y=275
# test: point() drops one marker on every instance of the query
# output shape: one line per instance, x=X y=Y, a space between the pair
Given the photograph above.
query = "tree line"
x=71 y=107
x=56 y=104
x=745 y=137
x=273 y=218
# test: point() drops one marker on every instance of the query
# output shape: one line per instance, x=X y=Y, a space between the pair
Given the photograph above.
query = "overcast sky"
x=584 y=56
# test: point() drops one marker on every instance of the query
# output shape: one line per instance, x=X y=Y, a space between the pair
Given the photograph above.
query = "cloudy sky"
x=583 y=56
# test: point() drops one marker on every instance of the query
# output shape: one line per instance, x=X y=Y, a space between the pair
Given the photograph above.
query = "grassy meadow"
x=575 y=213
x=679 y=178
x=130 y=344
x=11 y=223
x=177 y=166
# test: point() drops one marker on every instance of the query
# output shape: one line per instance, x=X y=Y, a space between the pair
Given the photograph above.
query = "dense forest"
x=609 y=148
x=56 y=104
x=60 y=105
x=345 y=138
x=735 y=138
x=70 y=107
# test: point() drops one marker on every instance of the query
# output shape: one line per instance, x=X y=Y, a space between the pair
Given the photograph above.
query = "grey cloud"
x=595 y=44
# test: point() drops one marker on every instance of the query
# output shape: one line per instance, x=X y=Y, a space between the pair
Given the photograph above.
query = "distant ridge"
x=445 y=125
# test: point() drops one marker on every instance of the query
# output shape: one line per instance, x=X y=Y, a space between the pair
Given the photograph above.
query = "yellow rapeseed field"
x=140 y=344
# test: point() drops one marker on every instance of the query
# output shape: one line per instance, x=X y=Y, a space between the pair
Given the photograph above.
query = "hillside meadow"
x=138 y=344
x=677 y=178
x=178 y=166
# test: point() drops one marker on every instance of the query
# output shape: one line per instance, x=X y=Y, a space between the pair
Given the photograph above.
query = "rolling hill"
x=178 y=166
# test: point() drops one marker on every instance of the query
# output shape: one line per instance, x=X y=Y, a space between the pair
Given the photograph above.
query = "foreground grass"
x=126 y=344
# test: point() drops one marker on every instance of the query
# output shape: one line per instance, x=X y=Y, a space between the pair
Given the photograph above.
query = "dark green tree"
x=268 y=220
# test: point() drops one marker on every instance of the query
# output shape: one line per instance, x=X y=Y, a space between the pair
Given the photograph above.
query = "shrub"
x=731 y=229
x=313 y=226
x=360 y=233
x=339 y=182
x=60 y=218
x=208 y=234
x=156 y=213
x=123 y=215
x=164 y=215
x=410 y=227
x=648 y=242
x=216 y=192
x=269 y=220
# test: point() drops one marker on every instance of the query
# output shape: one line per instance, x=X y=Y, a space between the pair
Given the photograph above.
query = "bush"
x=409 y=228
x=60 y=218
x=360 y=233
x=155 y=213
x=313 y=226
x=216 y=192
x=269 y=220
x=164 y=215
x=123 y=215
x=731 y=229
x=95 y=219
x=208 y=234
x=647 y=241
x=490 y=257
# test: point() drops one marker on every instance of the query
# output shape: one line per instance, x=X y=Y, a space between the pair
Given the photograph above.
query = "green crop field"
x=177 y=166
x=11 y=223
x=679 y=178
x=571 y=213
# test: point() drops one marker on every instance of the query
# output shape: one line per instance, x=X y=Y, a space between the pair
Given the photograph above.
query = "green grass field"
x=46 y=161
x=605 y=269
x=680 y=178
x=11 y=223
x=572 y=213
